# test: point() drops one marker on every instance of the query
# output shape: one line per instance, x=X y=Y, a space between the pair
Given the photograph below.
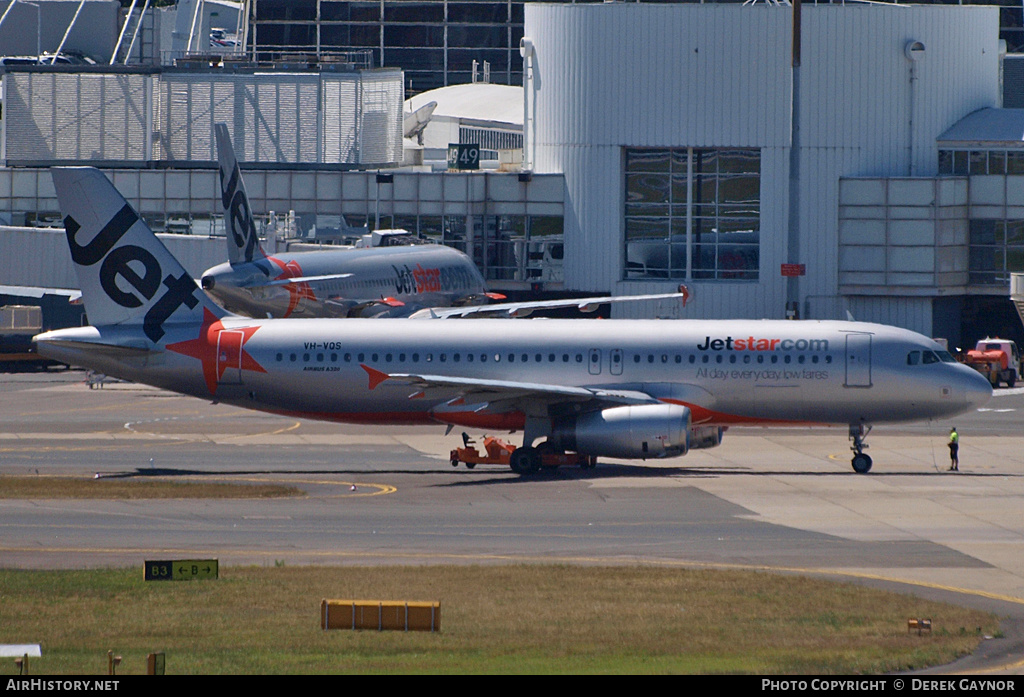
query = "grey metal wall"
x=610 y=76
x=346 y=118
x=39 y=258
x=75 y=116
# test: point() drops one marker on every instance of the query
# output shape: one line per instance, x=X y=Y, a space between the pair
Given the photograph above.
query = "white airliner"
x=615 y=388
x=405 y=279
x=391 y=281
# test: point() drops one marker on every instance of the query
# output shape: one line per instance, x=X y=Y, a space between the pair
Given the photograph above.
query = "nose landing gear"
x=861 y=461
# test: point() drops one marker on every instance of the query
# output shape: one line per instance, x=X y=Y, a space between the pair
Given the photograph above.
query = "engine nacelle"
x=705 y=437
x=630 y=432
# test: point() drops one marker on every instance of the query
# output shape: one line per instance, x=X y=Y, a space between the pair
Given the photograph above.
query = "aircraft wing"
x=525 y=309
x=303 y=279
x=494 y=393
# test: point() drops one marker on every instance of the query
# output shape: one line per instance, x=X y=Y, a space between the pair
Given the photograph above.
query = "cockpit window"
x=929 y=357
x=946 y=357
x=913 y=358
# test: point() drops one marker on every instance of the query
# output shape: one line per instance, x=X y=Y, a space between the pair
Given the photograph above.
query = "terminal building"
x=654 y=144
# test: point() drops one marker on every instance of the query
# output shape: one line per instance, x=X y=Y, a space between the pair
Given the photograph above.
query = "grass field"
x=494 y=620
x=29 y=487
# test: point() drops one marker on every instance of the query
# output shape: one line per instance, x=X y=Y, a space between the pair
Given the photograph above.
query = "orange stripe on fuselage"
x=516 y=420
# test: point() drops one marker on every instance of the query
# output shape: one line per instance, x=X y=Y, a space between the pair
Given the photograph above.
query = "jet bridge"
x=1017 y=293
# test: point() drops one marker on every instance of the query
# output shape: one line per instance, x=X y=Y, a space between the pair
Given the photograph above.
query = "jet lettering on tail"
x=241 y=228
x=117 y=264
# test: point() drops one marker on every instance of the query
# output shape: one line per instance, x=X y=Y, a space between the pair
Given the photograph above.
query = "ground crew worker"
x=954 y=450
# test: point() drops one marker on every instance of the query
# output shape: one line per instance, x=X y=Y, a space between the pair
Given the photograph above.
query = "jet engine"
x=642 y=431
x=705 y=437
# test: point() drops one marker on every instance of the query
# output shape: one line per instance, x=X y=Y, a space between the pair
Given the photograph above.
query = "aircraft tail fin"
x=126 y=274
x=243 y=244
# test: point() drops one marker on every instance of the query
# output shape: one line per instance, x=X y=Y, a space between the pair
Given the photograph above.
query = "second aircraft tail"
x=243 y=244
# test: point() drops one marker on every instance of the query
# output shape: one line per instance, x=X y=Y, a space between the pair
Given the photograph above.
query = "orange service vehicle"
x=498 y=452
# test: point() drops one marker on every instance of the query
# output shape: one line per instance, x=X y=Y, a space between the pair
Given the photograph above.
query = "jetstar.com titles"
x=756 y=344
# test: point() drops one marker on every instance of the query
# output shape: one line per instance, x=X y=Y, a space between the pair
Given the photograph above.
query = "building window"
x=961 y=163
x=996 y=250
x=434 y=41
x=693 y=213
x=520 y=248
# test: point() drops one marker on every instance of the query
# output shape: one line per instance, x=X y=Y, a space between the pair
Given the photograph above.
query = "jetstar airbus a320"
x=615 y=388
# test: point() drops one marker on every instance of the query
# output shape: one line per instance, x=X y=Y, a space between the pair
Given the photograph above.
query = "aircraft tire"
x=861 y=463
x=524 y=460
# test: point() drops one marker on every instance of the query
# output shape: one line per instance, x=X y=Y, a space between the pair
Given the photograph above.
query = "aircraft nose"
x=977 y=389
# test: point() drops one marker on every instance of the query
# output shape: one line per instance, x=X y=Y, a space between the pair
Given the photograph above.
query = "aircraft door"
x=616 y=362
x=229 y=357
x=594 y=365
x=858 y=360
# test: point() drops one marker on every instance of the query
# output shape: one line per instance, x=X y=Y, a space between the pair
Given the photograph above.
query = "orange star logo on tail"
x=218 y=349
x=297 y=291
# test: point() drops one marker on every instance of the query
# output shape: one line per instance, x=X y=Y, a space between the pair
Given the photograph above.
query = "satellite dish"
x=415 y=121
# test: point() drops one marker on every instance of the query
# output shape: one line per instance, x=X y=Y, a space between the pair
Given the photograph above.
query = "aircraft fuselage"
x=416 y=276
x=726 y=372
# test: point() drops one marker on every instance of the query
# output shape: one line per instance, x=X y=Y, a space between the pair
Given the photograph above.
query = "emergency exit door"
x=229 y=357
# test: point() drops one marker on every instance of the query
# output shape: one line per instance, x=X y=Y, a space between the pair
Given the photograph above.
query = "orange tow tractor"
x=498 y=452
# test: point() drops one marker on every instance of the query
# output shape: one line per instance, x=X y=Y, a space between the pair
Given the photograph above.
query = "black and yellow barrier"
x=920 y=625
x=380 y=615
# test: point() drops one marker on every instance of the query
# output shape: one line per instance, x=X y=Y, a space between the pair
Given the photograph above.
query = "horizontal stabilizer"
x=93 y=347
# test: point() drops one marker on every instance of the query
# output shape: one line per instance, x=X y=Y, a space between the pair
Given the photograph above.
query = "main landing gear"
x=528 y=460
x=861 y=461
x=525 y=460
